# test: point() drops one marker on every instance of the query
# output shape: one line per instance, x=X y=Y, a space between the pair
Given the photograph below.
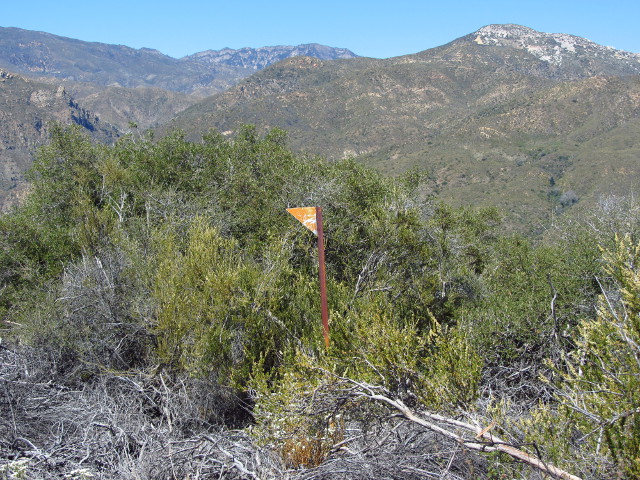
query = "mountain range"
x=534 y=123
x=538 y=124
x=65 y=59
x=112 y=86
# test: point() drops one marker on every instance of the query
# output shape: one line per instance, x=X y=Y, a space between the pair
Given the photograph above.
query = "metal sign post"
x=322 y=273
x=311 y=217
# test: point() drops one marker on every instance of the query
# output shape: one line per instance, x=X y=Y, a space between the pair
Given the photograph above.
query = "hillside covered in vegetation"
x=159 y=317
x=537 y=124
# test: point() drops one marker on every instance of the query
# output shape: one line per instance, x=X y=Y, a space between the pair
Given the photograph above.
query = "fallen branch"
x=483 y=440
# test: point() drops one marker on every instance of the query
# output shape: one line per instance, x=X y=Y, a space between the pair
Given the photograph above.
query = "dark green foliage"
x=534 y=297
x=39 y=238
x=167 y=204
x=598 y=382
x=159 y=201
x=181 y=256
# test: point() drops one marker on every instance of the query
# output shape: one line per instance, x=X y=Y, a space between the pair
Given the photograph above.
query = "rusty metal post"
x=324 y=309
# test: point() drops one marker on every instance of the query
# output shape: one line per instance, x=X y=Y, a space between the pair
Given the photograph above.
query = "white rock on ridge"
x=550 y=47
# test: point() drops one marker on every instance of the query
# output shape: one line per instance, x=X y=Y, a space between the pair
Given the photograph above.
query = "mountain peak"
x=554 y=48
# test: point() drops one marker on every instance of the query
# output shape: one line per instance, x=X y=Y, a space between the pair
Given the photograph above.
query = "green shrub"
x=599 y=386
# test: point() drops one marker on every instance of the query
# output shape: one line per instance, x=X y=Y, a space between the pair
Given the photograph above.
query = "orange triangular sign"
x=306 y=216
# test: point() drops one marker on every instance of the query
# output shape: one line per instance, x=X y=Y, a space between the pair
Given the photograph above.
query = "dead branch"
x=483 y=440
x=492 y=442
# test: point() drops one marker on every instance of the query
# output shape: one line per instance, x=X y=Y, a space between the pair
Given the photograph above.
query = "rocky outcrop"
x=27 y=109
x=577 y=56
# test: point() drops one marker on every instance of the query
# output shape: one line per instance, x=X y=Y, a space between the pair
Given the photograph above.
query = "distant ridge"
x=43 y=54
x=259 y=58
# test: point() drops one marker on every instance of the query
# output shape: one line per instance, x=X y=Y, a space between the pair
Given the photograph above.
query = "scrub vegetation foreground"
x=159 y=319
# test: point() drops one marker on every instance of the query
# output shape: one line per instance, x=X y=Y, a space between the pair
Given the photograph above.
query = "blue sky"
x=369 y=28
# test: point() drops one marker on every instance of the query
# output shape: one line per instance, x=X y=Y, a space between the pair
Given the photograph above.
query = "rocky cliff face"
x=27 y=108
